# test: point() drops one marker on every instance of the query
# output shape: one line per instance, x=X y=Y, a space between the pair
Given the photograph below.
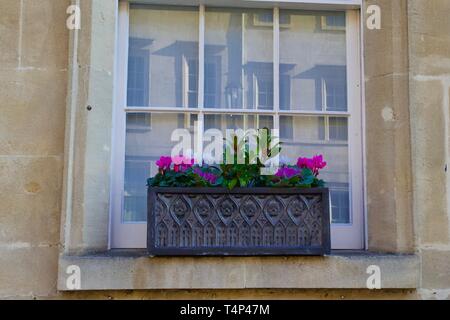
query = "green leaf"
x=243 y=182
x=232 y=183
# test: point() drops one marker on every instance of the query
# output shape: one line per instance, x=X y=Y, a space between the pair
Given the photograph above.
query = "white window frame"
x=344 y=236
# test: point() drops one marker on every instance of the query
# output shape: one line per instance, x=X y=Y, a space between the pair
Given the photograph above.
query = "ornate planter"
x=244 y=221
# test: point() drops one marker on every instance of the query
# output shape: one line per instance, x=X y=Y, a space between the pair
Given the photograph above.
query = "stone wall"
x=410 y=93
x=33 y=89
x=388 y=152
x=429 y=76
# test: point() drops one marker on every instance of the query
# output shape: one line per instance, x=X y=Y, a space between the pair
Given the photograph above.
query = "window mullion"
x=185 y=75
x=276 y=66
x=244 y=62
x=201 y=57
x=327 y=127
x=198 y=147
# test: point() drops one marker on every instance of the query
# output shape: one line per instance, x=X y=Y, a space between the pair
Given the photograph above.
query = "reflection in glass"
x=238 y=59
x=307 y=136
x=340 y=204
x=245 y=122
x=338 y=128
x=163 y=71
x=313 y=61
x=147 y=138
x=163 y=57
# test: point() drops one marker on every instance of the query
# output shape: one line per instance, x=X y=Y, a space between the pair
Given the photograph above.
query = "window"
x=335 y=94
x=192 y=85
x=212 y=85
x=266 y=20
x=139 y=122
x=241 y=68
x=264 y=90
x=333 y=22
x=340 y=206
x=138 y=73
x=338 y=129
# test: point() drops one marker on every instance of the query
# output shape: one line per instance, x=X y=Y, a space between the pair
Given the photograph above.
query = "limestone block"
x=32 y=112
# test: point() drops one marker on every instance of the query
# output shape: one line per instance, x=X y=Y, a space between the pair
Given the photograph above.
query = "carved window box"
x=243 y=221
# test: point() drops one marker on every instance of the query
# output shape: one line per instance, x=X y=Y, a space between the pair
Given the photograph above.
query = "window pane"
x=313 y=62
x=238 y=59
x=163 y=57
x=147 y=138
x=306 y=136
x=340 y=204
x=229 y=121
x=223 y=122
x=335 y=20
x=286 y=128
x=338 y=129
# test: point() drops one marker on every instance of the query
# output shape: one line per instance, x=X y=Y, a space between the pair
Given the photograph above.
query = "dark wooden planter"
x=244 y=221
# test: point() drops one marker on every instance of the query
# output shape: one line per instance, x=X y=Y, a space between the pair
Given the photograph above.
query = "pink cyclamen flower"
x=164 y=163
x=318 y=162
x=315 y=163
x=305 y=163
x=286 y=172
x=177 y=160
x=182 y=163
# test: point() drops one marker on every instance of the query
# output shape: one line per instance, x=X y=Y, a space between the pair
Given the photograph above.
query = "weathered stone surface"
x=429 y=106
x=30 y=218
x=30 y=194
x=435 y=269
x=32 y=112
x=44 y=45
x=28 y=270
x=429 y=160
x=388 y=155
x=346 y=271
x=386 y=50
x=31 y=175
x=429 y=39
x=9 y=23
x=429 y=17
x=388 y=166
x=94 y=85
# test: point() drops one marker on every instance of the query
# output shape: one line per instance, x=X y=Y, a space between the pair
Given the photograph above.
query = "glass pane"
x=338 y=129
x=147 y=138
x=238 y=59
x=224 y=121
x=307 y=136
x=260 y=122
x=340 y=205
x=313 y=71
x=229 y=121
x=163 y=57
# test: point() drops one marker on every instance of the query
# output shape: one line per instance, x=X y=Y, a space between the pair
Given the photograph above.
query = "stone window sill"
x=133 y=270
